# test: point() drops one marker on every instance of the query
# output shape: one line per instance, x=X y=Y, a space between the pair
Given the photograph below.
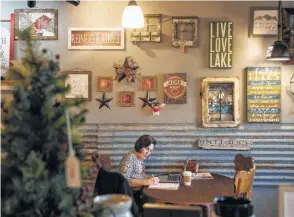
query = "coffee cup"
x=187 y=177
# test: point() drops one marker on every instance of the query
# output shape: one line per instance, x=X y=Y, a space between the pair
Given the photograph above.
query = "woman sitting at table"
x=133 y=169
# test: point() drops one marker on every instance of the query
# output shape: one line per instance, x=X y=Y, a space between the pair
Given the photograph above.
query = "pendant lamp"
x=279 y=51
x=132 y=16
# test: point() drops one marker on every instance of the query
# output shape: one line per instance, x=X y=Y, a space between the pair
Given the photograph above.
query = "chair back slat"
x=243 y=183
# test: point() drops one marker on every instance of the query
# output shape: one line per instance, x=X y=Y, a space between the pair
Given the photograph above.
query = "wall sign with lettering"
x=224 y=143
x=96 y=38
x=221 y=44
x=264 y=94
x=175 y=88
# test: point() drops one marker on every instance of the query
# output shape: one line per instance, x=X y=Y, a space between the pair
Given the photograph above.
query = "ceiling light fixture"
x=132 y=16
x=279 y=51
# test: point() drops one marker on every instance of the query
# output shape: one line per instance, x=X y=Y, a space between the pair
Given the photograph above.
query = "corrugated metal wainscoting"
x=272 y=148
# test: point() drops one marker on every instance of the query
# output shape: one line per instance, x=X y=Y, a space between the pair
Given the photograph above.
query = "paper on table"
x=165 y=186
x=202 y=176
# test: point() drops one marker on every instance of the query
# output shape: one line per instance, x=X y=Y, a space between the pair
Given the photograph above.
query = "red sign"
x=175 y=88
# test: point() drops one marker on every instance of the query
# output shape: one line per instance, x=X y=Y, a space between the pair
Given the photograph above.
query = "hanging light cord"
x=279 y=18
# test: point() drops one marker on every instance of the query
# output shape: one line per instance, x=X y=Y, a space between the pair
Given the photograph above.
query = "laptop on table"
x=171 y=178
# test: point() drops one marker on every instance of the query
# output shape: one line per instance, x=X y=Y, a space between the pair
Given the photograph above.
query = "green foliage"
x=34 y=139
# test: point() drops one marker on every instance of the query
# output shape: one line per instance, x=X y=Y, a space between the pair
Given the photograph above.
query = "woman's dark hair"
x=143 y=142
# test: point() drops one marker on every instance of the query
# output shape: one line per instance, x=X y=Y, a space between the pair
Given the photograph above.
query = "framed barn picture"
x=220 y=101
x=80 y=83
x=104 y=83
x=44 y=23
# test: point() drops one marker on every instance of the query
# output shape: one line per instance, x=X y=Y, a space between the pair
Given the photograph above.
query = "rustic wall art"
x=185 y=31
x=80 y=82
x=151 y=32
x=264 y=94
x=220 y=102
x=96 y=38
x=263 y=22
x=104 y=83
x=224 y=143
x=221 y=44
x=127 y=70
x=126 y=99
x=175 y=88
x=6 y=47
x=43 y=21
x=149 y=83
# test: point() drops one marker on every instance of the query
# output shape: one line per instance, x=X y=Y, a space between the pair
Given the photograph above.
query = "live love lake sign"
x=221 y=44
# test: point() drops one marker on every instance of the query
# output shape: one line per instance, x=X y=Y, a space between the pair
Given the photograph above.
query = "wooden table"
x=201 y=192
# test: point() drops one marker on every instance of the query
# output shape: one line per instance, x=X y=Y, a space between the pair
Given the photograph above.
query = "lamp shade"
x=278 y=52
x=132 y=16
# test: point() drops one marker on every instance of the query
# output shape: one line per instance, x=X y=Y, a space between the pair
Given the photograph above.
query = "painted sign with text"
x=221 y=44
x=224 y=143
x=175 y=88
x=264 y=94
x=96 y=38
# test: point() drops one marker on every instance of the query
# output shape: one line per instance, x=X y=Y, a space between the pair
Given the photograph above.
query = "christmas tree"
x=34 y=139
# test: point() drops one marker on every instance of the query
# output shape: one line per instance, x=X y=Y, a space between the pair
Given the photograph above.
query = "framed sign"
x=44 y=23
x=221 y=44
x=96 y=38
x=264 y=22
x=175 y=88
x=104 y=83
x=149 y=83
x=220 y=102
x=80 y=84
x=126 y=99
x=263 y=94
x=6 y=47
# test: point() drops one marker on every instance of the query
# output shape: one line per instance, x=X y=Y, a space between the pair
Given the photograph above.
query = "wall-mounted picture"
x=104 y=83
x=264 y=94
x=44 y=23
x=149 y=83
x=175 y=88
x=264 y=22
x=220 y=102
x=80 y=84
x=185 y=31
x=96 y=38
x=151 y=32
x=126 y=99
x=6 y=47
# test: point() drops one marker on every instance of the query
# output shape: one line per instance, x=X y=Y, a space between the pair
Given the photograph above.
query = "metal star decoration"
x=147 y=100
x=104 y=101
x=126 y=70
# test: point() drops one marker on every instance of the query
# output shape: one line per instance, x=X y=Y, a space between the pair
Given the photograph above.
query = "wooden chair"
x=243 y=183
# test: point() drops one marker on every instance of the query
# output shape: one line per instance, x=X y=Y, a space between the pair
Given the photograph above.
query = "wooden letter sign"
x=96 y=38
x=221 y=42
x=263 y=94
x=224 y=143
x=175 y=88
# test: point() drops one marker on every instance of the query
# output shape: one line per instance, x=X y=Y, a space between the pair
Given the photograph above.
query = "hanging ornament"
x=104 y=101
x=147 y=100
x=72 y=163
x=126 y=70
x=156 y=107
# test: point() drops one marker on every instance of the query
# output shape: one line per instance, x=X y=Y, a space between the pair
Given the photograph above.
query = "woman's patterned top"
x=131 y=167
